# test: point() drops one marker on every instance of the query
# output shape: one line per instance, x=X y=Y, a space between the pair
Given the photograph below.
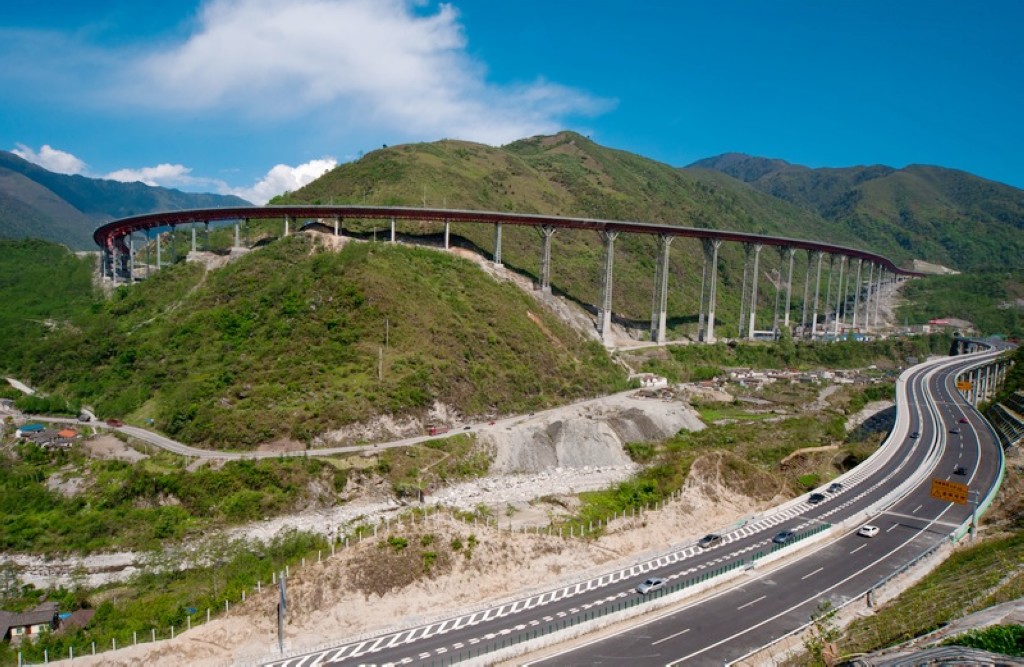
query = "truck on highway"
x=436 y=429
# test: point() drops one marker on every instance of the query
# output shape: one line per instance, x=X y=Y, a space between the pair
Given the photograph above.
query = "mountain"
x=36 y=203
x=940 y=215
x=568 y=174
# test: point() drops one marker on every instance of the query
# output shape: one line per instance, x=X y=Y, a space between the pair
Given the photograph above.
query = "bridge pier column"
x=546 y=232
x=392 y=230
x=753 y=292
x=193 y=229
x=159 y=259
x=868 y=296
x=238 y=235
x=659 y=312
x=287 y=229
x=828 y=294
x=337 y=225
x=447 y=233
x=856 y=295
x=817 y=293
x=174 y=245
x=206 y=236
x=812 y=257
x=248 y=236
x=604 y=320
x=711 y=247
x=791 y=253
x=149 y=252
x=497 y=244
x=131 y=257
x=741 y=323
x=878 y=294
x=839 y=296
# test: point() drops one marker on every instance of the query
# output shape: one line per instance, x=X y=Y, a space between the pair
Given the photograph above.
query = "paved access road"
x=763 y=606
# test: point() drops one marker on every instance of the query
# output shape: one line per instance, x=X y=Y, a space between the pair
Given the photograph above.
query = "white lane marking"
x=891 y=527
x=858 y=548
x=914 y=511
x=681 y=632
x=742 y=606
x=811 y=574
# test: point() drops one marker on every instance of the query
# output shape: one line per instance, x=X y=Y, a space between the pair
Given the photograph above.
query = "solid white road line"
x=681 y=632
x=743 y=606
x=811 y=574
x=858 y=549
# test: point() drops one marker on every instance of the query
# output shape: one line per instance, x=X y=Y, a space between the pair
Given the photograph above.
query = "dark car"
x=815 y=498
x=834 y=487
x=915 y=435
x=963 y=420
x=117 y=423
x=709 y=540
x=959 y=470
x=954 y=430
x=785 y=537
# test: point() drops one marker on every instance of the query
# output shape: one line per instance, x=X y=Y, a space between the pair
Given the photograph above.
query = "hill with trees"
x=37 y=203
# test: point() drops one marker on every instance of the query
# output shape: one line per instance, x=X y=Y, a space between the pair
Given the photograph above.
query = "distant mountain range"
x=940 y=215
x=37 y=203
x=929 y=213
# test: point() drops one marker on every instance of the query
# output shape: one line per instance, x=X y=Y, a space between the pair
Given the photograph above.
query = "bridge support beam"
x=856 y=295
x=287 y=229
x=753 y=291
x=447 y=234
x=839 y=296
x=544 y=283
x=392 y=230
x=659 y=311
x=711 y=247
x=741 y=322
x=868 y=294
x=497 y=244
x=604 y=316
x=790 y=253
x=337 y=225
x=192 y=224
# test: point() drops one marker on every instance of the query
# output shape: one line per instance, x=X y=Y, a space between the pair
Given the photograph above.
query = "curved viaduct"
x=116 y=241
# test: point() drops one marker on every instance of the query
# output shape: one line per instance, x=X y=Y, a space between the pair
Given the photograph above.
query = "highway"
x=764 y=602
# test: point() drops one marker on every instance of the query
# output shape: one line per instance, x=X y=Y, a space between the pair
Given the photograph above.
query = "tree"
x=821 y=638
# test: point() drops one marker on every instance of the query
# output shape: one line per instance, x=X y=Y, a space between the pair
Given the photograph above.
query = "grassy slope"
x=284 y=343
x=566 y=174
x=988 y=299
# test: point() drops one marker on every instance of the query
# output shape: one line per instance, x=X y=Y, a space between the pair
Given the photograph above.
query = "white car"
x=650 y=585
x=868 y=531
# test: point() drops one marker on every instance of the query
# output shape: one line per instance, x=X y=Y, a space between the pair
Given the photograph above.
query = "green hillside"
x=939 y=215
x=36 y=203
x=285 y=342
x=567 y=174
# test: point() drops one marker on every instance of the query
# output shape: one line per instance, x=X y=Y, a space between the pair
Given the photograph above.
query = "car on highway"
x=959 y=470
x=709 y=540
x=954 y=430
x=834 y=487
x=963 y=420
x=650 y=585
x=868 y=530
x=915 y=435
x=784 y=537
x=815 y=498
x=115 y=423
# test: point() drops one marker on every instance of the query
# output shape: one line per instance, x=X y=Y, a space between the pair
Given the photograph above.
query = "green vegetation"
x=989 y=300
x=161 y=596
x=422 y=468
x=293 y=341
x=1004 y=639
x=120 y=505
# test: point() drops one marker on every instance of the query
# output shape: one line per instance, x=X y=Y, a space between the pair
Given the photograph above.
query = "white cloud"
x=384 y=64
x=283 y=178
x=51 y=159
x=167 y=175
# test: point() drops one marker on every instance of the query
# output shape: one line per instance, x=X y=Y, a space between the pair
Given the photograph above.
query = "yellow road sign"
x=964 y=385
x=952 y=492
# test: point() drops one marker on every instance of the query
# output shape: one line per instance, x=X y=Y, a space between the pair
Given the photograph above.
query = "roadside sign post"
x=956 y=492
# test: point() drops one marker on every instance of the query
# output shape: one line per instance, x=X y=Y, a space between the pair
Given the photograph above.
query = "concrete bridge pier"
x=813 y=256
x=839 y=296
x=159 y=259
x=711 y=247
x=856 y=295
x=287 y=229
x=131 y=257
x=604 y=318
x=828 y=293
x=497 y=244
x=392 y=230
x=238 y=236
x=192 y=224
x=753 y=291
x=878 y=295
x=789 y=254
x=867 y=296
x=659 y=311
x=337 y=225
x=817 y=293
x=447 y=233
x=149 y=252
x=544 y=283
x=741 y=322
x=206 y=236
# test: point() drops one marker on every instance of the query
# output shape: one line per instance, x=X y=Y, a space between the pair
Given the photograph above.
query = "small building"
x=67 y=433
x=16 y=627
x=28 y=429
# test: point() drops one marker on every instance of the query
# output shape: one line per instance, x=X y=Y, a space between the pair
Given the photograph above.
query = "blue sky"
x=255 y=97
